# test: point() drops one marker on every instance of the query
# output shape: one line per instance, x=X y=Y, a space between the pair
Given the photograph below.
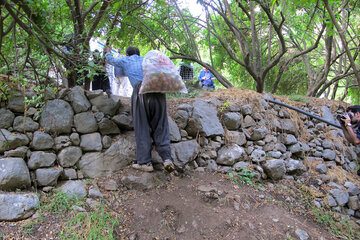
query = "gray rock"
x=246 y=109
x=69 y=156
x=248 y=122
x=57 y=117
x=354 y=203
x=340 y=196
x=258 y=134
x=258 y=156
x=284 y=125
x=229 y=155
x=327 y=115
x=326 y=144
x=240 y=165
x=143 y=182
x=236 y=137
x=301 y=234
x=42 y=141
x=107 y=126
x=204 y=120
x=9 y=141
x=111 y=185
x=73 y=188
x=19 y=206
x=14 y=174
x=331 y=201
x=106 y=105
x=329 y=155
x=295 y=148
x=19 y=152
x=184 y=152
x=94 y=93
x=16 y=103
x=62 y=142
x=69 y=174
x=79 y=101
x=321 y=168
x=211 y=165
x=275 y=168
x=106 y=141
x=124 y=121
x=91 y=142
x=295 y=167
x=95 y=193
x=48 y=176
x=25 y=124
x=40 y=159
x=288 y=139
x=117 y=157
x=232 y=120
x=274 y=154
x=174 y=131
x=6 y=118
x=181 y=118
x=75 y=139
x=85 y=122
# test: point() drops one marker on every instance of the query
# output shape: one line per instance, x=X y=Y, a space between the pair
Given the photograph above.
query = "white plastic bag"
x=160 y=75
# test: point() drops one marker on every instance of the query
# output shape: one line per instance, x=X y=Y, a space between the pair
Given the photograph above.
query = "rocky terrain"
x=246 y=168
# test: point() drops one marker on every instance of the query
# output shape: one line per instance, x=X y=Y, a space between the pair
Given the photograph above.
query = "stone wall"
x=87 y=135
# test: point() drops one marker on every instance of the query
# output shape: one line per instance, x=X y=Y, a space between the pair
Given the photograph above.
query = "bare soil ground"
x=181 y=208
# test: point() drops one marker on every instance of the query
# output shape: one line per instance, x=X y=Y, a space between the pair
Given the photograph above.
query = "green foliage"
x=224 y=106
x=243 y=176
x=340 y=227
x=60 y=202
x=191 y=94
x=28 y=228
x=298 y=98
x=94 y=225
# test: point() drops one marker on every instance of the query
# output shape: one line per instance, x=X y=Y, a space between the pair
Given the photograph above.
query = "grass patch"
x=298 y=98
x=60 y=202
x=340 y=227
x=98 y=224
x=191 y=94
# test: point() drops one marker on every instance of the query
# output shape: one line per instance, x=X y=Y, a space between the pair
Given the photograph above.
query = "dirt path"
x=195 y=205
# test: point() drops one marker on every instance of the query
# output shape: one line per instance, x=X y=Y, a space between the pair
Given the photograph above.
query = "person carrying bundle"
x=148 y=112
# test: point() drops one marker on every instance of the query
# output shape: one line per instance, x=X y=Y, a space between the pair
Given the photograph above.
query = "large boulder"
x=275 y=168
x=117 y=157
x=25 y=124
x=204 y=120
x=79 y=101
x=184 y=152
x=231 y=154
x=14 y=174
x=9 y=141
x=6 y=118
x=57 y=117
x=17 y=206
x=85 y=122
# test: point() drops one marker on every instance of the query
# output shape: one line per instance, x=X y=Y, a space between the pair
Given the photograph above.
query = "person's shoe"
x=168 y=165
x=143 y=167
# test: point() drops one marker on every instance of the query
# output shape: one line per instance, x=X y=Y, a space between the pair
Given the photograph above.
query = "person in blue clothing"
x=206 y=79
x=148 y=112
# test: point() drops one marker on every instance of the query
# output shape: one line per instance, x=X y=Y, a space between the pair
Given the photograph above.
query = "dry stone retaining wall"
x=82 y=134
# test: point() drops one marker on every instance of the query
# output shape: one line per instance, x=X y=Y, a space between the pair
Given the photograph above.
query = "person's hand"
x=204 y=78
x=347 y=119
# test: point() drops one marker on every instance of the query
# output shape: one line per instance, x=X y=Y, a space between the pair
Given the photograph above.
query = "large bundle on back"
x=160 y=75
